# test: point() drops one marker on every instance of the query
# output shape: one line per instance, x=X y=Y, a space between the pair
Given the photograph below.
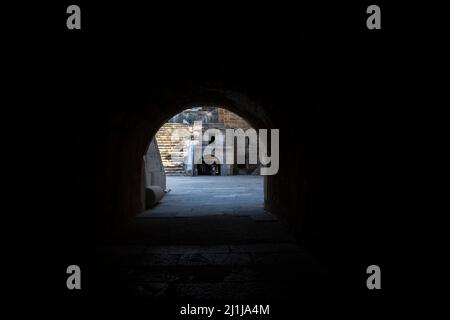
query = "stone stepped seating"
x=168 y=137
x=172 y=134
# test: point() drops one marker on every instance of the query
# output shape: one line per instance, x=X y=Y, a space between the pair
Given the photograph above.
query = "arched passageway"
x=234 y=252
x=127 y=165
x=313 y=71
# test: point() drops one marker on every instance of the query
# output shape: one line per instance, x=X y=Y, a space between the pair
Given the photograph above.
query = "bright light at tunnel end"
x=222 y=150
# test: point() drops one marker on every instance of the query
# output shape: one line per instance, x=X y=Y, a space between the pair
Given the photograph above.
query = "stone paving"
x=254 y=271
x=190 y=249
x=211 y=195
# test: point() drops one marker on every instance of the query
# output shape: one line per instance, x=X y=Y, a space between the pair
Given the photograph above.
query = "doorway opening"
x=209 y=185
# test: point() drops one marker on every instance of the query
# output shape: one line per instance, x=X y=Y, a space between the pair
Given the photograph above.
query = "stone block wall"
x=232 y=120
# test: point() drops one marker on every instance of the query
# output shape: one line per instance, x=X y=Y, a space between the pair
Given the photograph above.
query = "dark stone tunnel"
x=292 y=66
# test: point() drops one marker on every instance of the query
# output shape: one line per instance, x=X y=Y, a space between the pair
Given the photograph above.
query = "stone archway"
x=172 y=163
x=132 y=134
x=234 y=102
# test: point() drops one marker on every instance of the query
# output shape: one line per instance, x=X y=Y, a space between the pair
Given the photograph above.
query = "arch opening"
x=205 y=160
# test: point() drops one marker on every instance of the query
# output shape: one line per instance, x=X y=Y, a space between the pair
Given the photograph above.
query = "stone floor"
x=209 y=239
x=211 y=195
